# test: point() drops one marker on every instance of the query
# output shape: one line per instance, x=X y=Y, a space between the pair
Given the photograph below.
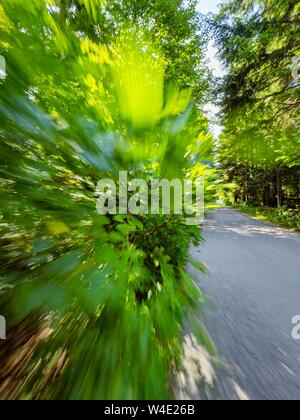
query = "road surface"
x=254 y=289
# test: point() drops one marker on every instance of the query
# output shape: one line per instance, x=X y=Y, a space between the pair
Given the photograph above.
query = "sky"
x=211 y=6
x=208 y=6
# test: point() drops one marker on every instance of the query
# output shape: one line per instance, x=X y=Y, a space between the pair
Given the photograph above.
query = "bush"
x=283 y=216
x=96 y=304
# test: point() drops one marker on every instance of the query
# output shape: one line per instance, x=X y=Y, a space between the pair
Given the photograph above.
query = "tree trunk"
x=279 y=188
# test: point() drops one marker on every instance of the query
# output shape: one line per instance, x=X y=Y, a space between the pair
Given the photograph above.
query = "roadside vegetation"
x=259 y=150
x=96 y=305
x=282 y=216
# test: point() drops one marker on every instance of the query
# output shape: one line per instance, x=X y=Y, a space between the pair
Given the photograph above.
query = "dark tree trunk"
x=279 y=194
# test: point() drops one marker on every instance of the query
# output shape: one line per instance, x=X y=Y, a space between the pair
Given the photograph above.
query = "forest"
x=259 y=149
x=96 y=306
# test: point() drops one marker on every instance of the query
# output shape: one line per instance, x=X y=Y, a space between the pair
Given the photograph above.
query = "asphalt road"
x=254 y=289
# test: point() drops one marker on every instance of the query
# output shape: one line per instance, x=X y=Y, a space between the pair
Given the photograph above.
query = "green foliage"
x=172 y=24
x=102 y=300
x=283 y=216
x=260 y=149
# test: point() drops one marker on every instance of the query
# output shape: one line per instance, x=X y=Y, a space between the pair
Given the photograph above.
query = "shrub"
x=283 y=216
x=96 y=304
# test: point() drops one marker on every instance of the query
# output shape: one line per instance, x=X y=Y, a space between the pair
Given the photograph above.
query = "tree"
x=260 y=95
x=173 y=25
